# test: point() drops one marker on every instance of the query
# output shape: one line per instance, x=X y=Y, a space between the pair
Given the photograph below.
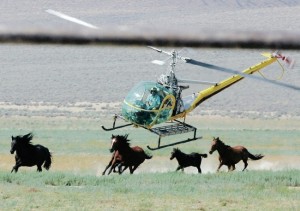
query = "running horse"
x=130 y=157
x=28 y=154
x=230 y=156
x=185 y=160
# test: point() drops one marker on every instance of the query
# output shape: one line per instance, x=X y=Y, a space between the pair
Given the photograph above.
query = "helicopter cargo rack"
x=173 y=129
x=167 y=130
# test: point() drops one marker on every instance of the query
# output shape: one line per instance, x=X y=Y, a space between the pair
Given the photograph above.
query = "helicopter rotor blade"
x=72 y=19
x=227 y=70
x=160 y=51
x=158 y=62
x=196 y=82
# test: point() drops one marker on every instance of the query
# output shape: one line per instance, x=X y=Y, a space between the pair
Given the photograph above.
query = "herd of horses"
x=124 y=156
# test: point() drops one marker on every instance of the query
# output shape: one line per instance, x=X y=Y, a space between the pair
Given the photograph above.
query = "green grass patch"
x=259 y=190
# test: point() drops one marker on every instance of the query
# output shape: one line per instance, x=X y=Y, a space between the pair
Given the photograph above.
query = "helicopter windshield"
x=148 y=103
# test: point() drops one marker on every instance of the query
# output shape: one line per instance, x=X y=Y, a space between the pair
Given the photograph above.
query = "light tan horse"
x=230 y=156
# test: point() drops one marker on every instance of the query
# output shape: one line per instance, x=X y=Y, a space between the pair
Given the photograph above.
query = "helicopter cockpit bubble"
x=148 y=103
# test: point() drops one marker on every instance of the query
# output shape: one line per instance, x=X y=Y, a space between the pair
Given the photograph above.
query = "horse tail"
x=148 y=156
x=203 y=155
x=48 y=161
x=255 y=157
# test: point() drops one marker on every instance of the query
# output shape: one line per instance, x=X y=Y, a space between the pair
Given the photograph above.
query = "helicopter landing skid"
x=114 y=124
x=174 y=129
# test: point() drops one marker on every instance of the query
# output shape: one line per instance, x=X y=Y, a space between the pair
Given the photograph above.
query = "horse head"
x=17 y=140
x=113 y=140
x=214 y=145
x=174 y=153
x=118 y=142
x=13 y=144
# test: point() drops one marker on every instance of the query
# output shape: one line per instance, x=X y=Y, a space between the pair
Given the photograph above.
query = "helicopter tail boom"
x=211 y=91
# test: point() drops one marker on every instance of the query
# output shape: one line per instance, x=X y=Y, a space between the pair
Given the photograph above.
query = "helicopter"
x=170 y=105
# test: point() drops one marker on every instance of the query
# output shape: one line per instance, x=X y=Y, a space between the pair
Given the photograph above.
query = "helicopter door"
x=147 y=104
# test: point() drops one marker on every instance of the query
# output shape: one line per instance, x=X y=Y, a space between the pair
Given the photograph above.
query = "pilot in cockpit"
x=151 y=104
x=153 y=100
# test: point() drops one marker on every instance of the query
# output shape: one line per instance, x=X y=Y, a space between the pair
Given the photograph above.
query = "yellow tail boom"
x=211 y=91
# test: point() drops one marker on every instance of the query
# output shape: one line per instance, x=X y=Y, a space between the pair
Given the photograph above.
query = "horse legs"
x=179 y=167
x=245 y=164
x=231 y=167
x=120 y=169
x=221 y=164
x=119 y=165
x=132 y=169
x=112 y=167
x=198 y=165
x=199 y=169
x=16 y=167
x=39 y=168
x=103 y=173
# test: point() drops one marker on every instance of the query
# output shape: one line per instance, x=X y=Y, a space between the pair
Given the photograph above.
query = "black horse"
x=186 y=160
x=28 y=154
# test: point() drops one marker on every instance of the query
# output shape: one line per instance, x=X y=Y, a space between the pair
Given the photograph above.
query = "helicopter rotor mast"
x=173 y=80
x=170 y=79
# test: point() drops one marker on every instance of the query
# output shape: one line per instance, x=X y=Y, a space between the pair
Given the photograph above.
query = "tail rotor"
x=288 y=61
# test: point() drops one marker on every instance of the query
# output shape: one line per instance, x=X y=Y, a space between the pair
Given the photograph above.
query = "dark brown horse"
x=230 y=156
x=186 y=160
x=131 y=157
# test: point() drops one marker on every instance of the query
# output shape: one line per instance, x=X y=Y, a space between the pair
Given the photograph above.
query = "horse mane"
x=176 y=150
x=25 y=139
x=124 y=139
x=222 y=143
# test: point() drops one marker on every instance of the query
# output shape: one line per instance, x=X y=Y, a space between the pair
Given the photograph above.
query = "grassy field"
x=252 y=190
x=80 y=153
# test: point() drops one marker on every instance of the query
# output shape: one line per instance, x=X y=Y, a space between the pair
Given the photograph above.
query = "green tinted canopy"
x=148 y=103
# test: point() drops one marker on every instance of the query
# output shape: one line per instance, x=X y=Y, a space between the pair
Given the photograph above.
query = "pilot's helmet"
x=153 y=90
